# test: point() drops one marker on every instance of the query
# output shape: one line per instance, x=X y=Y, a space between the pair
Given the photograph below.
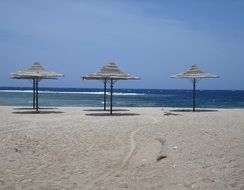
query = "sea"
x=93 y=97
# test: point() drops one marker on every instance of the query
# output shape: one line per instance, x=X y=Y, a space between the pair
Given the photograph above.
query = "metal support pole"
x=111 y=97
x=194 y=94
x=37 y=103
x=34 y=93
x=104 y=96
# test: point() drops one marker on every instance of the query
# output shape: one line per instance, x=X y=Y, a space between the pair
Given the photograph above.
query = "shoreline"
x=135 y=149
x=114 y=108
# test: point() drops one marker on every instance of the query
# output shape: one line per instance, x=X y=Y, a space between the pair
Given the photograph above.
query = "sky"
x=151 y=39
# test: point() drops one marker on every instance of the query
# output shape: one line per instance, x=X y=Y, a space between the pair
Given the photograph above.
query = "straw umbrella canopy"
x=194 y=74
x=36 y=73
x=110 y=74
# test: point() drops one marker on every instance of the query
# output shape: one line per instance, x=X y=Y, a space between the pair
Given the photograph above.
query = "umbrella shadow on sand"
x=114 y=114
x=28 y=108
x=102 y=110
x=37 y=112
x=197 y=110
x=25 y=110
x=176 y=112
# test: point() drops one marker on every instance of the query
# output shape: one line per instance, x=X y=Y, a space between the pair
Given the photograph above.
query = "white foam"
x=92 y=93
x=16 y=91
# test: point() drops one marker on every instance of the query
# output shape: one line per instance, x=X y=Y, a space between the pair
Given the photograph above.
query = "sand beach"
x=135 y=149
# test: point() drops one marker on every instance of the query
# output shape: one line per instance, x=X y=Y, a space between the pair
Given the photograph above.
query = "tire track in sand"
x=125 y=160
x=127 y=157
x=133 y=146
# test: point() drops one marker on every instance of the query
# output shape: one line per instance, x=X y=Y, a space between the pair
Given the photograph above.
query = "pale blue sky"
x=152 y=39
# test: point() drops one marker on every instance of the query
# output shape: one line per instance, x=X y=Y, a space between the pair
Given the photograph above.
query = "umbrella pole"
x=37 y=103
x=194 y=94
x=34 y=95
x=111 y=97
x=104 y=96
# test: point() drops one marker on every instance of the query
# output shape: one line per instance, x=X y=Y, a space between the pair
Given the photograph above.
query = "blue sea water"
x=86 y=97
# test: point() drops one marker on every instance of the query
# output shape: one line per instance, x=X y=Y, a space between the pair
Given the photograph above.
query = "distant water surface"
x=86 y=97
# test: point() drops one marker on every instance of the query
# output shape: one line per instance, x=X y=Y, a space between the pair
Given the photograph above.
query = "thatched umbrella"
x=195 y=75
x=36 y=73
x=109 y=73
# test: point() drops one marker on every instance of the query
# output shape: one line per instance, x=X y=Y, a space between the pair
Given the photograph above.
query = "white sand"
x=72 y=148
